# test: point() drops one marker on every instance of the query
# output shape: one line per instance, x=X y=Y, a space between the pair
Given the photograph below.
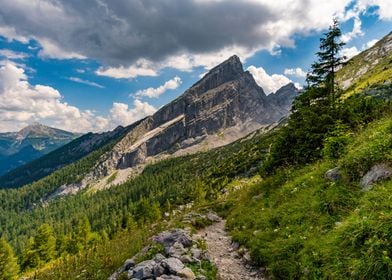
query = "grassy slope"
x=303 y=226
x=376 y=74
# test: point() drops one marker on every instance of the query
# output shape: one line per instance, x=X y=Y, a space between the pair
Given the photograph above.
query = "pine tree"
x=322 y=75
x=8 y=266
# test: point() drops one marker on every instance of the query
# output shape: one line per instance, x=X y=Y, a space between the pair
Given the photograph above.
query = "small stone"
x=176 y=250
x=211 y=216
x=186 y=259
x=333 y=174
x=186 y=273
x=159 y=258
x=196 y=253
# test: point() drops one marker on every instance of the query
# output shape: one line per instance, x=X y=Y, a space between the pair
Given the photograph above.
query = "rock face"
x=225 y=97
x=226 y=101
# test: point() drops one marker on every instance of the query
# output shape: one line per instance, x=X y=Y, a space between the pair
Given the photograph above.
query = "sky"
x=92 y=65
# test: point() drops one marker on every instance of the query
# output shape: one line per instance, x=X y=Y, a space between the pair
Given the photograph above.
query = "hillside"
x=372 y=67
x=31 y=142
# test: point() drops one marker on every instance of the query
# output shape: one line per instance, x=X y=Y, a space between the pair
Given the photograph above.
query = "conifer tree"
x=8 y=266
x=323 y=71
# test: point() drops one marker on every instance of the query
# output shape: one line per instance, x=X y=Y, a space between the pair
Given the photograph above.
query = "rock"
x=201 y=277
x=235 y=245
x=159 y=270
x=196 y=253
x=168 y=238
x=186 y=259
x=174 y=265
x=159 y=258
x=213 y=217
x=333 y=174
x=177 y=250
x=168 y=277
x=144 y=269
x=376 y=173
x=128 y=264
x=186 y=273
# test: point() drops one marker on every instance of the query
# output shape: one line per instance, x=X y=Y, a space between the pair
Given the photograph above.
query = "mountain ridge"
x=29 y=143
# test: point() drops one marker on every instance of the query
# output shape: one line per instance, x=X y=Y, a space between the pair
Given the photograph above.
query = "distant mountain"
x=56 y=159
x=32 y=142
x=371 y=67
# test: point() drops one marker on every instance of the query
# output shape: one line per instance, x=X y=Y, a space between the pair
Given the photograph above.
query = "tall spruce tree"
x=313 y=113
x=323 y=71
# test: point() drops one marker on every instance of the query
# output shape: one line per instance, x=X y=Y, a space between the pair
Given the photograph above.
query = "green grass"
x=302 y=226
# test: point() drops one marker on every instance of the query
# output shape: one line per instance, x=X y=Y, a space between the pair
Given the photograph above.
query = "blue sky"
x=92 y=65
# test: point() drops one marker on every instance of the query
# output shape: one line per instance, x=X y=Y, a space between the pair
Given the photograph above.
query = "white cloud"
x=349 y=52
x=185 y=62
x=297 y=72
x=384 y=10
x=52 y=50
x=85 y=82
x=370 y=44
x=355 y=32
x=123 y=35
x=9 y=54
x=142 y=67
x=22 y=103
x=269 y=83
x=156 y=92
x=121 y=114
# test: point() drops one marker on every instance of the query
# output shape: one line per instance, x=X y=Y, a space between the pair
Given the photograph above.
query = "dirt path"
x=230 y=265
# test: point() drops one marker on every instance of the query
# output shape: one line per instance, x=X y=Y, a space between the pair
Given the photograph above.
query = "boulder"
x=144 y=270
x=173 y=265
x=333 y=174
x=168 y=238
x=377 y=173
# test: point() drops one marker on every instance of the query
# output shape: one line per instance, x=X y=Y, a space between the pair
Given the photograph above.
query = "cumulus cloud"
x=139 y=38
x=156 y=92
x=370 y=44
x=85 y=82
x=22 y=103
x=123 y=115
x=297 y=72
x=355 y=32
x=349 y=52
x=269 y=83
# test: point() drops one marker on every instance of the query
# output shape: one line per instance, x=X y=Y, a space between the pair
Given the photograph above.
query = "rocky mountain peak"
x=228 y=70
